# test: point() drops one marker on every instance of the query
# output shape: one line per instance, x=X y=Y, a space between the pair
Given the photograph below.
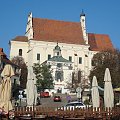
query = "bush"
x=86 y=102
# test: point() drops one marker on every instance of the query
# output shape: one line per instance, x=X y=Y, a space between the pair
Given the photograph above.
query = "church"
x=66 y=46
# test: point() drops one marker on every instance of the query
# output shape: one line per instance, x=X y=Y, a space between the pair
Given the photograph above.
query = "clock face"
x=83 y=20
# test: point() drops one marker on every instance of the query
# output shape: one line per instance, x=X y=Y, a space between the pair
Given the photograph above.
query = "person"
x=38 y=100
x=17 y=103
x=68 y=97
x=20 y=98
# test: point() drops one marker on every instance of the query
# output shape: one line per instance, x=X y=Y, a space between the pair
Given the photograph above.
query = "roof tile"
x=99 y=42
x=2 y=53
x=21 y=38
x=66 y=32
x=57 y=31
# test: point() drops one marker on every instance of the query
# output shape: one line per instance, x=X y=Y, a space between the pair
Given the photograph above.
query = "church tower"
x=83 y=25
x=57 y=51
x=29 y=28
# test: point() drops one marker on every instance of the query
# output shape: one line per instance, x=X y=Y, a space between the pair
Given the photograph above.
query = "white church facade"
x=66 y=46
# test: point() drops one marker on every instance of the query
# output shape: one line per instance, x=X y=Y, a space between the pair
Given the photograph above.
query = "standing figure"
x=68 y=97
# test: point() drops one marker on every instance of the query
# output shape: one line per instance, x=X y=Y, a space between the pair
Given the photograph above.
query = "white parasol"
x=95 y=93
x=108 y=90
x=5 y=88
x=31 y=87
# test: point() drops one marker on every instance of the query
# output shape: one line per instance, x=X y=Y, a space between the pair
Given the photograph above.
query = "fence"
x=49 y=113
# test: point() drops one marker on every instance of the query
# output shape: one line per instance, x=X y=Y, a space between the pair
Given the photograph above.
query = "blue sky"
x=102 y=16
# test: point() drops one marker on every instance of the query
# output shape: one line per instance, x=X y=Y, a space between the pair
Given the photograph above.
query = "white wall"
x=45 y=48
x=14 y=49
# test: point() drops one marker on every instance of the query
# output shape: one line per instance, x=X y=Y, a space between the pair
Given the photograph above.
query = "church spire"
x=82 y=13
x=83 y=25
x=29 y=28
x=57 y=50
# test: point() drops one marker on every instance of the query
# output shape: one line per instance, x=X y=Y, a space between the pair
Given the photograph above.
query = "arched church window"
x=38 y=56
x=59 y=65
x=70 y=58
x=20 y=52
x=59 y=76
x=49 y=56
x=57 y=53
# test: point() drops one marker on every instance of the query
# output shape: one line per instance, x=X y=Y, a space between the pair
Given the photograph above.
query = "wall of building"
x=31 y=49
x=45 y=48
x=14 y=49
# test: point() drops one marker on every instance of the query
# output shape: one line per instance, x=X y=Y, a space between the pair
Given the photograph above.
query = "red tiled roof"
x=7 y=61
x=4 y=57
x=2 y=53
x=57 y=31
x=21 y=38
x=66 y=32
x=99 y=42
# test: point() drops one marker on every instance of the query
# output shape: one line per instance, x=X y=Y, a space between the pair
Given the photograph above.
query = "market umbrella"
x=108 y=90
x=95 y=93
x=31 y=87
x=5 y=88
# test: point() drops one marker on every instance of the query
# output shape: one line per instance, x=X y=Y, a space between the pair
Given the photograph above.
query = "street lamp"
x=20 y=96
x=79 y=93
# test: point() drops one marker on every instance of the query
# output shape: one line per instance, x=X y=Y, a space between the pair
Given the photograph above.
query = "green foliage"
x=43 y=75
x=87 y=102
x=106 y=59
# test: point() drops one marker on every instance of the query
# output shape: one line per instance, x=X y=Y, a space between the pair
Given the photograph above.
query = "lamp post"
x=20 y=97
x=79 y=91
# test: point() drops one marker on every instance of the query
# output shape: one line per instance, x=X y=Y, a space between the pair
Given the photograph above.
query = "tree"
x=43 y=76
x=23 y=77
x=75 y=81
x=106 y=59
